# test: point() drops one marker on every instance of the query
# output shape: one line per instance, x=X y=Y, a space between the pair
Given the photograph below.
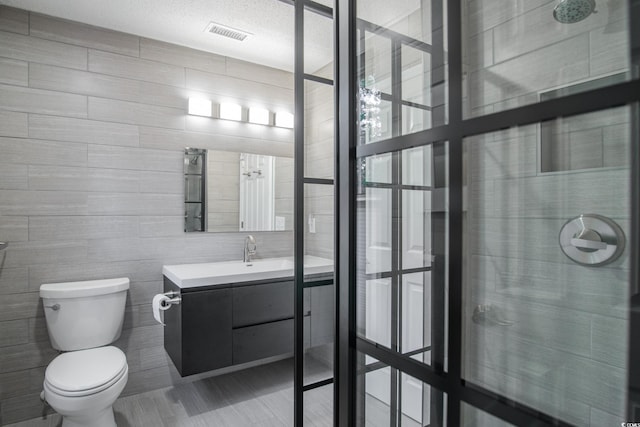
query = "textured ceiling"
x=183 y=21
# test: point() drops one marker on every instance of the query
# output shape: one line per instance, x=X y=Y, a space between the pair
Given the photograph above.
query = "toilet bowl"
x=83 y=383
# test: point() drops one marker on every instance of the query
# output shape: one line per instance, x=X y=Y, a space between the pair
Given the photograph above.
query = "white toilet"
x=83 y=318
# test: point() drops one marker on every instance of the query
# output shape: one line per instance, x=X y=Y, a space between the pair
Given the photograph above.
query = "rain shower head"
x=572 y=11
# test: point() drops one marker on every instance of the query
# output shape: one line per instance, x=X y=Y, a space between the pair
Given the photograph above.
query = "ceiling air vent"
x=223 y=30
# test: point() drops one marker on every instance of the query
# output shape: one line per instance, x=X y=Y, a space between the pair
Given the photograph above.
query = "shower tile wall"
x=565 y=353
x=92 y=130
x=514 y=51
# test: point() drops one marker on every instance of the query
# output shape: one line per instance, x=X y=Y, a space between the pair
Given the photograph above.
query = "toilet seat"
x=85 y=372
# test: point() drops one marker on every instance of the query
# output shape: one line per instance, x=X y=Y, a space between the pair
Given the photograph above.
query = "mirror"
x=228 y=191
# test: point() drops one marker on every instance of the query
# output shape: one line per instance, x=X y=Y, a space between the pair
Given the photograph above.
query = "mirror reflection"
x=229 y=191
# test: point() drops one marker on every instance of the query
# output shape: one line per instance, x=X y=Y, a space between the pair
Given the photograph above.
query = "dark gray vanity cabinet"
x=223 y=325
x=262 y=321
x=198 y=334
x=261 y=303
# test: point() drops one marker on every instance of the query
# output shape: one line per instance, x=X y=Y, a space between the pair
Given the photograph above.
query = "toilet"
x=83 y=318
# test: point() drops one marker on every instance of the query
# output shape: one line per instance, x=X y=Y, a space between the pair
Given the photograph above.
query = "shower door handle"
x=588 y=244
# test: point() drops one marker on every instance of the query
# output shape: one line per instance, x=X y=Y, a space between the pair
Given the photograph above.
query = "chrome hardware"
x=488 y=315
x=249 y=248
x=175 y=298
x=54 y=307
x=592 y=240
x=3 y=245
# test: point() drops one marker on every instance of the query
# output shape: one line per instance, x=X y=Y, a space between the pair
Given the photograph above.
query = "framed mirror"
x=228 y=191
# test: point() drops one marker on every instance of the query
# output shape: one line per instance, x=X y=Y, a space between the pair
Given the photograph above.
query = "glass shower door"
x=546 y=311
x=547 y=328
x=494 y=207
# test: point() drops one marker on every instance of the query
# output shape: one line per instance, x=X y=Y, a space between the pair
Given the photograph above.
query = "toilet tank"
x=86 y=314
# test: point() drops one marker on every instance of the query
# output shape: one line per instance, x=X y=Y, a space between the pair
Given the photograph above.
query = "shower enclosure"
x=487 y=191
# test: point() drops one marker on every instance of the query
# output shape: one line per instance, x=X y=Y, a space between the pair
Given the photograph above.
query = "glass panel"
x=325 y=2
x=376 y=387
x=319 y=333
x=417 y=20
x=318 y=45
x=194 y=159
x=318 y=266
x=318 y=130
x=539 y=327
x=377 y=64
x=283 y=194
x=416 y=229
x=388 y=394
x=416 y=211
x=378 y=169
x=515 y=51
x=193 y=217
x=585 y=142
x=402 y=68
x=474 y=417
x=193 y=188
x=416 y=75
x=374 y=310
x=318 y=235
x=417 y=166
x=318 y=406
x=376 y=121
x=416 y=315
x=376 y=217
x=415 y=119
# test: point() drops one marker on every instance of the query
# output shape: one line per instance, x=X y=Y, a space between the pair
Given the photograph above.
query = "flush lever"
x=54 y=307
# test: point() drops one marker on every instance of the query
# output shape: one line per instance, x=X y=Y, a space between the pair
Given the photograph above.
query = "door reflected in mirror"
x=229 y=191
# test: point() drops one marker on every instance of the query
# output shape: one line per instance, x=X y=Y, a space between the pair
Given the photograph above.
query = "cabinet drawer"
x=266 y=340
x=262 y=303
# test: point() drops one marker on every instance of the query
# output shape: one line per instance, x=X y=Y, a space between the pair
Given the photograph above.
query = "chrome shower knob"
x=592 y=240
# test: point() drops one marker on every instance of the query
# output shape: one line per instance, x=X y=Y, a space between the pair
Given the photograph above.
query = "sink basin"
x=216 y=273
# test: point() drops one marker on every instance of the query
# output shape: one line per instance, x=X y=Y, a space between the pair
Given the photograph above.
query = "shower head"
x=572 y=11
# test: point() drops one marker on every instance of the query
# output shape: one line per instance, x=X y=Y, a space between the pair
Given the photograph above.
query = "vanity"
x=235 y=312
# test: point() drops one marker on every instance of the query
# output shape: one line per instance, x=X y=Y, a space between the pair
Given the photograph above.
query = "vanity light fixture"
x=284 y=120
x=200 y=107
x=259 y=116
x=231 y=112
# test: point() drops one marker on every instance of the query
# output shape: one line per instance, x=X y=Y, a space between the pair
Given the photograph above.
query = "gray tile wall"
x=565 y=353
x=514 y=51
x=92 y=130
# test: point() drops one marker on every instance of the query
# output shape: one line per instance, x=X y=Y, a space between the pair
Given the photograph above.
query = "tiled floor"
x=259 y=396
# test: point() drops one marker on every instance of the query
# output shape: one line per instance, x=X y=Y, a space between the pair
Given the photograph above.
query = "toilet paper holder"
x=174 y=298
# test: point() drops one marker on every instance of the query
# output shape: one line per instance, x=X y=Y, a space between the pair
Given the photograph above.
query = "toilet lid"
x=84 y=372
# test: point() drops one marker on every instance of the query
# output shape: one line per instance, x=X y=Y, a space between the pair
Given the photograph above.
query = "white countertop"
x=216 y=273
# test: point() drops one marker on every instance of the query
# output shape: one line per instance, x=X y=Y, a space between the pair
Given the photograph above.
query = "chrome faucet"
x=249 y=248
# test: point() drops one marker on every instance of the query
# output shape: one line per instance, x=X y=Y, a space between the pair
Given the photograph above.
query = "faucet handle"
x=250 y=241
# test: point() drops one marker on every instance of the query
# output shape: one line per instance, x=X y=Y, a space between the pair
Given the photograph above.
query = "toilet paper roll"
x=158 y=304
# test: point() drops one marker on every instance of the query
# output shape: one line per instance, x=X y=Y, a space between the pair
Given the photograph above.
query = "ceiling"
x=183 y=21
